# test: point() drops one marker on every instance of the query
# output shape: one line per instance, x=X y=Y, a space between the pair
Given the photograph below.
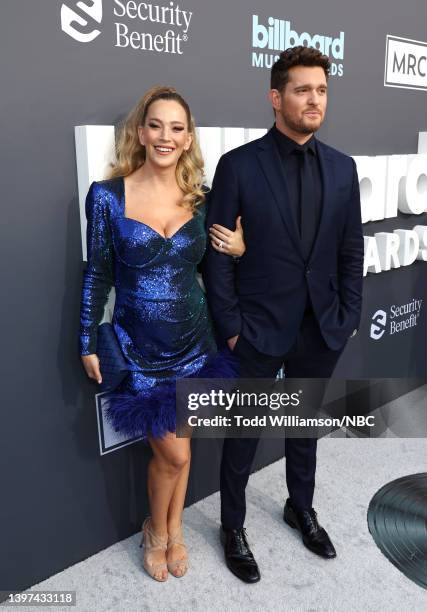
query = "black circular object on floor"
x=397 y=520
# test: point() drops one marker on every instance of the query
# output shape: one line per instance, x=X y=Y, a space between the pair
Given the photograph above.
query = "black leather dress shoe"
x=314 y=537
x=238 y=555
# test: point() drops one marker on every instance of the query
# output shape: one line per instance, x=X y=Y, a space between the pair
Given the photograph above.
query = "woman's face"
x=165 y=133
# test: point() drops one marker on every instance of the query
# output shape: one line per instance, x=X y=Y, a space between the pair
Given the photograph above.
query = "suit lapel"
x=270 y=162
x=327 y=171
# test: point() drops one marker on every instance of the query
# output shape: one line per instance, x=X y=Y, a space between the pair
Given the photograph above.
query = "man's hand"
x=232 y=342
x=91 y=365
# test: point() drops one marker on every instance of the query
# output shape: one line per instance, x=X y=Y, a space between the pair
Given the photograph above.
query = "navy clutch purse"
x=112 y=363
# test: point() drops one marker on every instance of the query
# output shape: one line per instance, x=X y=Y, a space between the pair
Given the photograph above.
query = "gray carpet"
x=349 y=472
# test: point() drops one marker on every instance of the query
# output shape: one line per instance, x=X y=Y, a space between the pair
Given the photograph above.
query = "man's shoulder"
x=335 y=154
x=243 y=152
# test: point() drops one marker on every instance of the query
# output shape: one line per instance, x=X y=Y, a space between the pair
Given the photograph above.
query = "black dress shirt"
x=290 y=156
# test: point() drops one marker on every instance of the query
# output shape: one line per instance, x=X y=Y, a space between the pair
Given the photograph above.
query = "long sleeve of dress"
x=98 y=277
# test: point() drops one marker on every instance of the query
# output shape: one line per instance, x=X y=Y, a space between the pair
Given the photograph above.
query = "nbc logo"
x=80 y=21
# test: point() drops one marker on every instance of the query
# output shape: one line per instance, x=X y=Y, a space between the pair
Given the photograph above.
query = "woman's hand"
x=225 y=241
x=91 y=365
x=232 y=342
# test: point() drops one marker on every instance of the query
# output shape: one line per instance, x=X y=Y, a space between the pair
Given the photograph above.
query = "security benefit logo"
x=270 y=36
x=405 y=63
x=378 y=325
x=80 y=20
x=398 y=319
x=137 y=26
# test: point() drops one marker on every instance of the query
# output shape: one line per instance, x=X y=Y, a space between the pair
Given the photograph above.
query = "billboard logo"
x=80 y=22
x=279 y=34
x=405 y=63
x=378 y=325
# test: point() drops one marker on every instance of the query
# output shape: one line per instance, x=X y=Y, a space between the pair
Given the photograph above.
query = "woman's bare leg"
x=176 y=505
x=167 y=473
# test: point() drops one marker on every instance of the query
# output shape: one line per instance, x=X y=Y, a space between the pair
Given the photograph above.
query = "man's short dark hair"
x=296 y=56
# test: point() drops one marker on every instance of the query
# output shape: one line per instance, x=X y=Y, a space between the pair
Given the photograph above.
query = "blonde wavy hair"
x=130 y=154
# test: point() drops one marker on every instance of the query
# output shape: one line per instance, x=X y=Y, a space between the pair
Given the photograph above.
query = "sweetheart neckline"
x=165 y=238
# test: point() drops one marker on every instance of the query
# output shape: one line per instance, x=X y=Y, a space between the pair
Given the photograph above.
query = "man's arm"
x=219 y=269
x=351 y=256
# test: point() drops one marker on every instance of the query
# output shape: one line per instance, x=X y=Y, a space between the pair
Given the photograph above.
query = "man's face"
x=301 y=105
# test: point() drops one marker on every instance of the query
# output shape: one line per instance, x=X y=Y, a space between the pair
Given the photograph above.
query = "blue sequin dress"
x=160 y=316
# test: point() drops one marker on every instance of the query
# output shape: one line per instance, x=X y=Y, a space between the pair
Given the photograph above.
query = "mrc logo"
x=405 y=63
x=80 y=22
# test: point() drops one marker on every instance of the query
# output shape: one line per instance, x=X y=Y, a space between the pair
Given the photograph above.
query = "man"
x=295 y=296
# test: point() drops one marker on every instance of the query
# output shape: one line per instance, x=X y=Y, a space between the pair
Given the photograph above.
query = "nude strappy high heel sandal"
x=179 y=564
x=150 y=541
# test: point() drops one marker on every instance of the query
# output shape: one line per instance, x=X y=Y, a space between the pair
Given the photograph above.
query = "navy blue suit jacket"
x=264 y=295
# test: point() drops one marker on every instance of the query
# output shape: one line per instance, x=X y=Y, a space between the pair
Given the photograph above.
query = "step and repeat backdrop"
x=85 y=63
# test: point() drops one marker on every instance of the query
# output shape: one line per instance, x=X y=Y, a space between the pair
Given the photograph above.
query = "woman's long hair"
x=130 y=154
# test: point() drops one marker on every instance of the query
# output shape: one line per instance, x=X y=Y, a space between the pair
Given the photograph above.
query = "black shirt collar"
x=287 y=146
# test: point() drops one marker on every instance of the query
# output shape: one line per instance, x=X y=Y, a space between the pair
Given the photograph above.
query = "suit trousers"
x=309 y=357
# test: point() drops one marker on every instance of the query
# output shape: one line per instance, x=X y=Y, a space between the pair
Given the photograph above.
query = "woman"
x=146 y=236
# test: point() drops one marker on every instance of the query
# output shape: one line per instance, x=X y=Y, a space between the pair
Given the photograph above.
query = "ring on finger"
x=220 y=243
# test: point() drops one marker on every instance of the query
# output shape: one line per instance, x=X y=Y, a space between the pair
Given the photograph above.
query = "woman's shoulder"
x=104 y=195
x=107 y=189
x=108 y=186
